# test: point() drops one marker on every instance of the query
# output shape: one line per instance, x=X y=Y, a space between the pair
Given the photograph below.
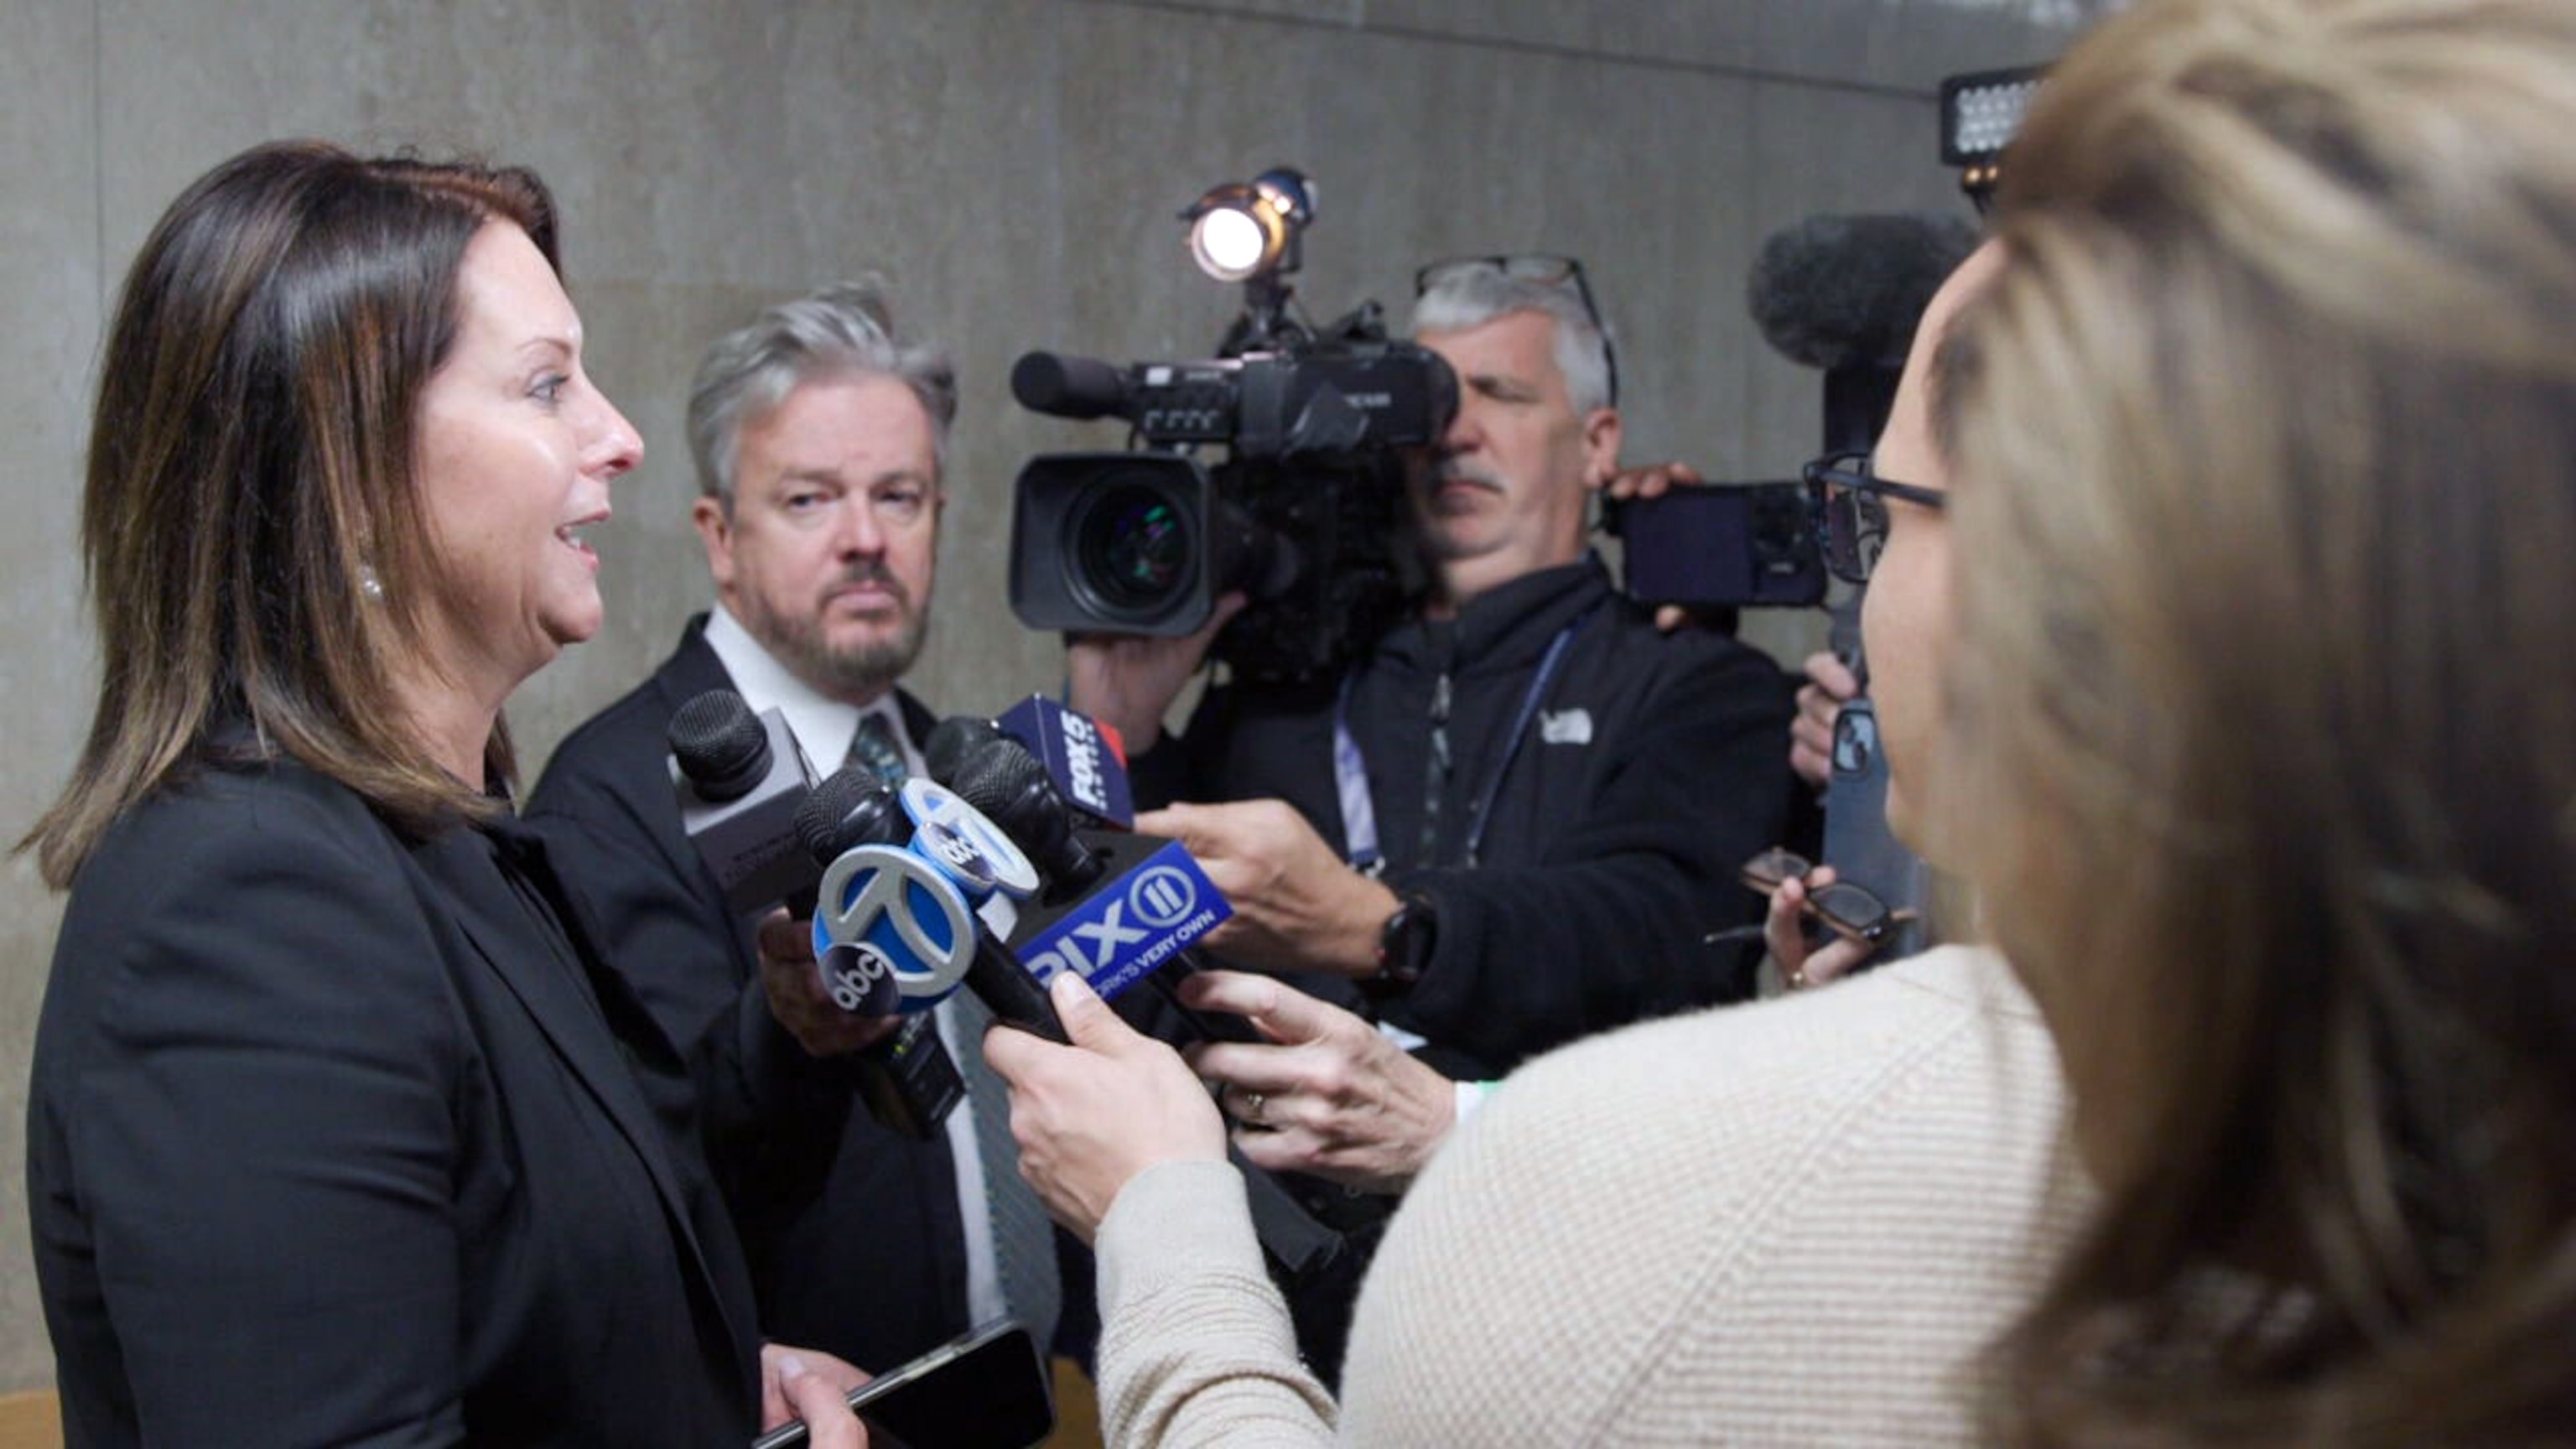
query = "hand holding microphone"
x=1831 y=684
x=742 y=787
x=796 y=998
x=1124 y=907
x=1297 y=905
x=1091 y=1115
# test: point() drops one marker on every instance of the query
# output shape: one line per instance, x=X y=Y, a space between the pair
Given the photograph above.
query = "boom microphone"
x=1837 y=292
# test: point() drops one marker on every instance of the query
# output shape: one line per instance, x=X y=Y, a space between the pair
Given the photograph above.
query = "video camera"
x=1306 y=514
x=1840 y=294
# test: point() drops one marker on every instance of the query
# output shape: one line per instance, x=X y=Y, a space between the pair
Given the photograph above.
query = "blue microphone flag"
x=1076 y=757
x=1118 y=936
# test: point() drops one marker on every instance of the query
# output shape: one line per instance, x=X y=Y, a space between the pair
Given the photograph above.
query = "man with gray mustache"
x=819 y=433
x=1517 y=818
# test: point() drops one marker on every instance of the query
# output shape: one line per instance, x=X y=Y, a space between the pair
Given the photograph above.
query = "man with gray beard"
x=818 y=434
x=1518 y=818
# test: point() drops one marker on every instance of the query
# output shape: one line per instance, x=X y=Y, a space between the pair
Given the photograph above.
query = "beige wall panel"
x=49 y=322
x=1910 y=43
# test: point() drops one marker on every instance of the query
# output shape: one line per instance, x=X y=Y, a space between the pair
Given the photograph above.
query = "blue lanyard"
x=1350 y=767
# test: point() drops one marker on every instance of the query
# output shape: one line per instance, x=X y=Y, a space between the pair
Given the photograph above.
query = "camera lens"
x=1130 y=549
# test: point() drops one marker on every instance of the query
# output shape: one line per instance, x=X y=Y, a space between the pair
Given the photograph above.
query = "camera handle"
x=1858 y=844
x=1842 y=634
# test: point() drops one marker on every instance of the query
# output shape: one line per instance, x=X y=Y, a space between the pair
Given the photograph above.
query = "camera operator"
x=1515 y=819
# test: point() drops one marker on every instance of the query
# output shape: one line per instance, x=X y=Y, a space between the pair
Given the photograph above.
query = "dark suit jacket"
x=873 y=1266
x=339 y=1137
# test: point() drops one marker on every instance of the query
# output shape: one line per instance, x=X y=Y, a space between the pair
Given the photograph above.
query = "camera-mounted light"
x=1981 y=112
x=1244 y=231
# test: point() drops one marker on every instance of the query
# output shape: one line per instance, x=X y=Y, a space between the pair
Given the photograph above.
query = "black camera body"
x=1707 y=546
x=1309 y=397
x=1306 y=515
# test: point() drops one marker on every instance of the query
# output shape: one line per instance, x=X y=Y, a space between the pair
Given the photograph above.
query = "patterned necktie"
x=1023 y=1237
x=874 y=749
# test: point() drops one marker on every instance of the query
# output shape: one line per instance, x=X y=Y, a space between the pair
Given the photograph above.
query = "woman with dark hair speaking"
x=340 y=1130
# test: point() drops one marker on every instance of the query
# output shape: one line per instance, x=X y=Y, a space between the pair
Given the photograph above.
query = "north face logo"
x=1565 y=726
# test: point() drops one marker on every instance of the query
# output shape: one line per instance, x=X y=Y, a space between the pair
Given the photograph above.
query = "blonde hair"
x=2264 y=712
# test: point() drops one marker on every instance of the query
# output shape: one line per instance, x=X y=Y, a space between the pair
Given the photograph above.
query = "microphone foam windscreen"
x=951 y=742
x=839 y=813
x=1846 y=291
x=1002 y=771
x=717 y=738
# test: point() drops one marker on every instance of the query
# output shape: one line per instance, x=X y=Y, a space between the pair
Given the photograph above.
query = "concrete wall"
x=1013 y=166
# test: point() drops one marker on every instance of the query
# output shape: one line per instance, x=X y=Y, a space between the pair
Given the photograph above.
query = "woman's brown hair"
x=254 y=547
x=2264 y=710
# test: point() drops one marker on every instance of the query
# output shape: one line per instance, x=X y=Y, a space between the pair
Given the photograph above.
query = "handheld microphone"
x=849 y=810
x=908 y=1080
x=1019 y=793
x=1079 y=757
x=1116 y=908
x=951 y=741
x=1016 y=791
x=993 y=870
x=909 y=913
x=740 y=779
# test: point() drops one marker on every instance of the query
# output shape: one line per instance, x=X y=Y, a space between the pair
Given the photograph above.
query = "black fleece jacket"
x=1653 y=767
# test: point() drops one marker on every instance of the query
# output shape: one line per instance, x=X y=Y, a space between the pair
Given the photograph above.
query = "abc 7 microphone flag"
x=894 y=926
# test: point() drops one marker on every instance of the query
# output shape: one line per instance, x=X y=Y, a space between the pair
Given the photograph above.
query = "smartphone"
x=1732 y=545
x=987 y=1390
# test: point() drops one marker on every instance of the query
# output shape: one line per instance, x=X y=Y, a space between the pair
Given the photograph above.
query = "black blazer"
x=872 y=1266
x=338 y=1137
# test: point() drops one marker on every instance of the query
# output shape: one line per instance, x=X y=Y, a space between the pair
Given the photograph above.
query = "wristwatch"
x=1404 y=947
